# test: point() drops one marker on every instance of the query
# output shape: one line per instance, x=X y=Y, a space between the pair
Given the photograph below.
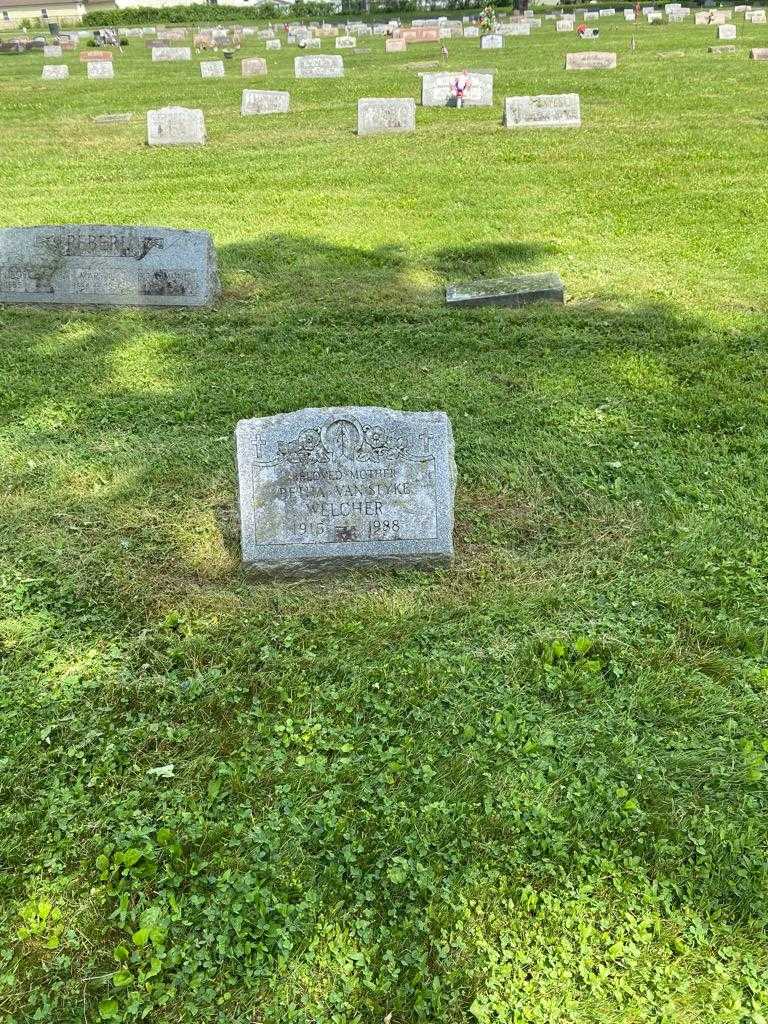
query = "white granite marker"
x=437 y=89
x=318 y=67
x=376 y=116
x=175 y=126
x=492 y=42
x=171 y=53
x=100 y=69
x=212 y=68
x=263 y=101
x=55 y=71
x=105 y=265
x=322 y=490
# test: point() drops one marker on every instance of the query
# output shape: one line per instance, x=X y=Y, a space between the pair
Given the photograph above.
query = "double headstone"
x=347 y=487
x=103 y=265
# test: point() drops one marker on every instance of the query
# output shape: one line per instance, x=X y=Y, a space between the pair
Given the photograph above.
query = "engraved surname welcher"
x=343 y=483
x=323 y=490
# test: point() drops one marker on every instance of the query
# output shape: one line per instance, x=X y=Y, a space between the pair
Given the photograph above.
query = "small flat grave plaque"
x=376 y=116
x=330 y=66
x=103 y=265
x=175 y=126
x=560 y=111
x=589 y=61
x=507 y=291
x=323 y=490
x=721 y=51
x=263 y=101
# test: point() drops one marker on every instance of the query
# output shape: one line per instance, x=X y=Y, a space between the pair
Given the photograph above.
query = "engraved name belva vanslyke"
x=344 y=482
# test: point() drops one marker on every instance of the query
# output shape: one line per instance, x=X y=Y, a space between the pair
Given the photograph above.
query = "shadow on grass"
x=600 y=450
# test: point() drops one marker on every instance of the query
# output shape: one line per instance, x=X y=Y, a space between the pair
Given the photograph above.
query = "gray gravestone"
x=560 y=111
x=564 y=25
x=437 y=89
x=252 y=66
x=318 y=67
x=274 y=44
x=507 y=291
x=758 y=53
x=175 y=126
x=492 y=42
x=594 y=61
x=54 y=71
x=53 y=50
x=515 y=28
x=353 y=487
x=385 y=115
x=169 y=53
x=100 y=69
x=726 y=32
x=262 y=101
x=103 y=265
x=720 y=50
x=471 y=32
x=345 y=42
x=212 y=68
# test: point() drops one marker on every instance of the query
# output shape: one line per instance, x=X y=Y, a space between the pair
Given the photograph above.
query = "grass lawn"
x=532 y=788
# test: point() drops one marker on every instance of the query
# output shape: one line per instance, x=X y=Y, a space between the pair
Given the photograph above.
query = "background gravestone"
x=263 y=101
x=375 y=116
x=492 y=42
x=273 y=44
x=347 y=487
x=104 y=265
x=175 y=126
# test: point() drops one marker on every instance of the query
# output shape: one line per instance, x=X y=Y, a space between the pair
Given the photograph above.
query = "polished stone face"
x=347 y=487
x=105 y=265
x=507 y=291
